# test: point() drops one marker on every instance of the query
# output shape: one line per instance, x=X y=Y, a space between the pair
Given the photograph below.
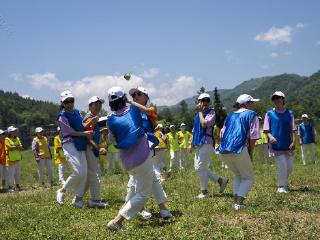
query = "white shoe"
x=237 y=206
x=96 y=204
x=223 y=185
x=60 y=197
x=202 y=196
x=165 y=214
x=77 y=204
x=145 y=214
x=282 y=190
x=114 y=226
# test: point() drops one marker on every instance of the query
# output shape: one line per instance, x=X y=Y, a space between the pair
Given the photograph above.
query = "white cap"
x=39 y=129
x=65 y=95
x=58 y=129
x=12 y=129
x=278 y=93
x=159 y=126
x=140 y=89
x=172 y=126
x=182 y=124
x=115 y=93
x=203 y=95
x=1 y=132
x=244 y=98
x=95 y=99
x=304 y=116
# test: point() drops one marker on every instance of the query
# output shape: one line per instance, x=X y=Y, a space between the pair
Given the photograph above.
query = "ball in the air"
x=127 y=76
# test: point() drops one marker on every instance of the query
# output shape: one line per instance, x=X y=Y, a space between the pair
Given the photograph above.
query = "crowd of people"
x=130 y=133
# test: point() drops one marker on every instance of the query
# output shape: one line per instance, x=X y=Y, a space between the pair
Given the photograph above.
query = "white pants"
x=159 y=162
x=93 y=180
x=175 y=161
x=14 y=174
x=285 y=166
x=42 y=164
x=308 y=147
x=133 y=188
x=61 y=171
x=184 y=157
x=202 y=163
x=113 y=159
x=241 y=166
x=78 y=163
x=3 y=172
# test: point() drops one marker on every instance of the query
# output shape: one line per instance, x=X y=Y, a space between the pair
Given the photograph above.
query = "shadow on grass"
x=228 y=195
x=157 y=221
x=304 y=189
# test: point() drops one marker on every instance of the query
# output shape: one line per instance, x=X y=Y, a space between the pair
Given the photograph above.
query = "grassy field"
x=34 y=214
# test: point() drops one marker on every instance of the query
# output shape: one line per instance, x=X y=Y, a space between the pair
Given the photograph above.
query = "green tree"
x=219 y=109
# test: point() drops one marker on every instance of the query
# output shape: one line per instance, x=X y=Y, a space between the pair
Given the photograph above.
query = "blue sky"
x=170 y=47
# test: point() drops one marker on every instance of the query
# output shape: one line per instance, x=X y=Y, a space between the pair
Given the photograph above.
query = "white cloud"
x=16 y=76
x=160 y=94
x=150 y=73
x=300 y=25
x=274 y=55
x=276 y=36
x=26 y=96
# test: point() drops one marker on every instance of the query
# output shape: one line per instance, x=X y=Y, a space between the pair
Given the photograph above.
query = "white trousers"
x=3 y=172
x=42 y=165
x=285 y=166
x=311 y=149
x=133 y=186
x=113 y=159
x=93 y=180
x=202 y=163
x=241 y=166
x=184 y=157
x=61 y=171
x=78 y=163
x=175 y=161
x=14 y=174
x=159 y=162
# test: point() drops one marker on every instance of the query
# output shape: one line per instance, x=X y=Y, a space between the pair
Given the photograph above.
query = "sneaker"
x=114 y=226
x=96 y=204
x=10 y=189
x=60 y=197
x=165 y=214
x=77 y=204
x=282 y=190
x=223 y=185
x=202 y=196
x=145 y=214
x=237 y=206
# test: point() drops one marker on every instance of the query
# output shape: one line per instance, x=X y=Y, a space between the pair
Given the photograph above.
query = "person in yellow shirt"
x=113 y=159
x=160 y=158
x=173 y=144
x=42 y=153
x=262 y=145
x=58 y=156
x=216 y=136
x=3 y=159
x=14 y=157
x=184 y=141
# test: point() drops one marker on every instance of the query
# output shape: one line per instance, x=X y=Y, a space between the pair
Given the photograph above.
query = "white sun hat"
x=304 y=116
x=39 y=129
x=244 y=98
x=95 y=99
x=12 y=129
x=279 y=94
x=115 y=93
x=140 y=89
x=159 y=126
x=203 y=95
x=65 y=95
x=1 y=132
x=182 y=124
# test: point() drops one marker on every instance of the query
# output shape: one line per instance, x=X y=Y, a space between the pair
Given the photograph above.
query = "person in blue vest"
x=307 y=139
x=238 y=136
x=125 y=129
x=90 y=123
x=279 y=125
x=74 y=140
x=203 y=142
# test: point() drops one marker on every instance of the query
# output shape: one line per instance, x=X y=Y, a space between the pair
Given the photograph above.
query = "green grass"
x=34 y=214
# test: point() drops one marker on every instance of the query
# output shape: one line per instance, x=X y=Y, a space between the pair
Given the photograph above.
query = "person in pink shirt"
x=280 y=128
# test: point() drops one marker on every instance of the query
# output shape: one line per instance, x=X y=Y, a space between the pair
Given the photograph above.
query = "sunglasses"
x=205 y=100
x=69 y=100
x=136 y=94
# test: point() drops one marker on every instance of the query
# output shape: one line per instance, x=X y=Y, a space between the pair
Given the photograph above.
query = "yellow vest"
x=173 y=142
x=43 y=147
x=185 y=137
x=13 y=154
x=162 y=143
x=263 y=139
x=58 y=155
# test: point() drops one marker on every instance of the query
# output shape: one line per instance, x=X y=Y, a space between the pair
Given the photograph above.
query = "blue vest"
x=74 y=119
x=199 y=133
x=306 y=133
x=237 y=127
x=96 y=133
x=280 y=128
x=127 y=128
x=149 y=129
